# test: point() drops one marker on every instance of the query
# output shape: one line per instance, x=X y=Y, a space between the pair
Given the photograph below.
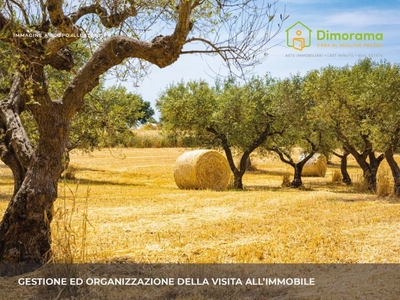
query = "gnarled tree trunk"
x=394 y=167
x=15 y=147
x=25 y=235
x=298 y=167
x=243 y=164
x=25 y=229
x=239 y=172
x=343 y=167
x=370 y=169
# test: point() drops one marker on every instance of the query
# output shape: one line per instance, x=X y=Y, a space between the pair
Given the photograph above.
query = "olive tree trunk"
x=343 y=167
x=297 y=166
x=369 y=168
x=239 y=171
x=394 y=167
x=298 y=170
x=25 y=235
x=297 y=181
x=25 y=229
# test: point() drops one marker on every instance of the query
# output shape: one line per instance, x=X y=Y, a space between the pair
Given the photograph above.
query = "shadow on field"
x=263 y=188
x=337 y=166
x=89 y=169
x=360 y=198
x=5 y=197
x=279 y=172
x=100 y=182
x=288 y=169
x=339 y=188
x=5 y=174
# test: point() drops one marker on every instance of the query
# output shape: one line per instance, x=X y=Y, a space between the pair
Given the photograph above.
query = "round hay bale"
x=202 y=169
x=316 y=166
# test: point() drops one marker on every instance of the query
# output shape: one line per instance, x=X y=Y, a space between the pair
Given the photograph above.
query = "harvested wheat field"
x=124 y=206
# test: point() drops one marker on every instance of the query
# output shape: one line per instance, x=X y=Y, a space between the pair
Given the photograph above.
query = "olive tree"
x=107 y=118
x=41 y=35
x=344 y=102
x=384 y=123
x=235 y=117
x=302 y=128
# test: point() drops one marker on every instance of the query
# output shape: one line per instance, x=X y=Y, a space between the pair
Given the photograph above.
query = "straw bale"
x=202 y=169
x=316 y=166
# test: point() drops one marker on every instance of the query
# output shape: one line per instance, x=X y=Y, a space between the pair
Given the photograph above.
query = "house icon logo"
x=298 y=36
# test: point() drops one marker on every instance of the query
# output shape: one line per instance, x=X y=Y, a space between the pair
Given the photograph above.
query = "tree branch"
x=108 y=20
x=59 y=20
x=216 y=49
x=262 y=137
x=283 y=155
x=345 y=154
x=44 y=11
x=308 y=156
x=16 y=136
x=162 y=51
x=225 y=145
x=69 y=31
x=241 y=40
x=23 y=11
x=183 y=25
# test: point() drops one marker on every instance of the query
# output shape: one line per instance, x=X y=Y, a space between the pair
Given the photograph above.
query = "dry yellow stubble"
x=124 y=206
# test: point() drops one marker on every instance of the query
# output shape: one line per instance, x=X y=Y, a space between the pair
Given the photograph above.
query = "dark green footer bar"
x=201 y=281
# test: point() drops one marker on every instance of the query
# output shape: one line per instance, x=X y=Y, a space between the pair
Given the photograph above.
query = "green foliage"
x=302 y=126
x=187 y=109
x=361 y=105
x=108 y=114
x=233 y=116
x=334 y=91
x=106 y=120
x=59 y=80
x=247 y=110
x=240 y=112
x=384 y=100
x=108 y=117
x=359 y=100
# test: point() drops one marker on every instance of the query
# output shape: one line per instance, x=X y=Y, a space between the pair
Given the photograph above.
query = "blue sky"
x=335 y=16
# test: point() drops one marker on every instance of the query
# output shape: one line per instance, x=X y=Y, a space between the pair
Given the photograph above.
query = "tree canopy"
x=108 y=117
x=302 y=129
x=353 y=109
x=233 y=116
x=354 y=101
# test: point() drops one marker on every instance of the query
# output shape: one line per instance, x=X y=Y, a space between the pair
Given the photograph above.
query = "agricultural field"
x=123 y=205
